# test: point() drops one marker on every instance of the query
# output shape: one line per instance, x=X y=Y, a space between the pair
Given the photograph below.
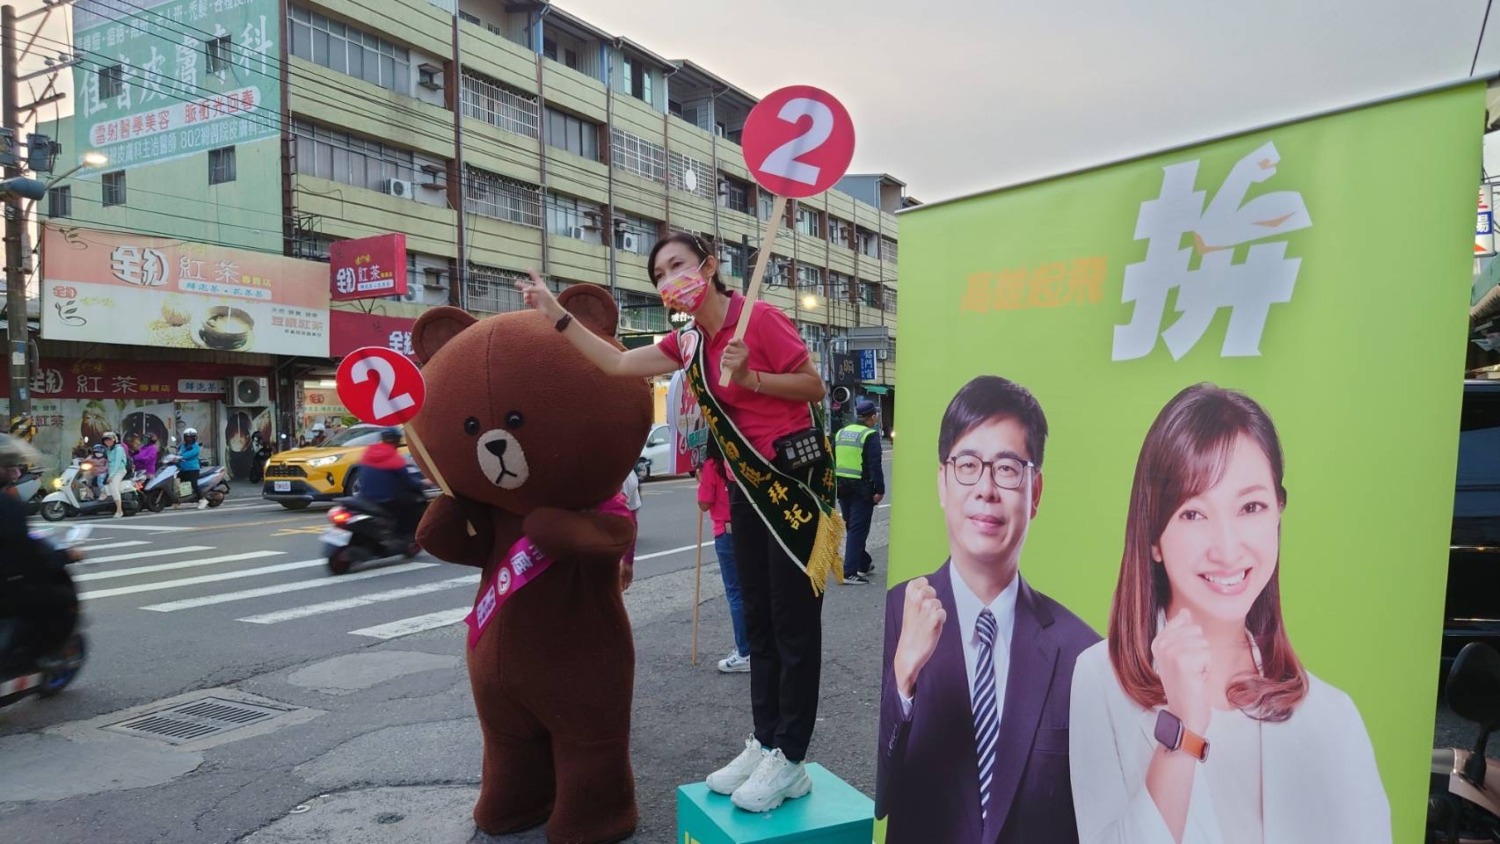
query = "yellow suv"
x=300 y=476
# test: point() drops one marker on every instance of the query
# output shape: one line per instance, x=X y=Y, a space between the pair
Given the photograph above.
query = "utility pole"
x=16 y=332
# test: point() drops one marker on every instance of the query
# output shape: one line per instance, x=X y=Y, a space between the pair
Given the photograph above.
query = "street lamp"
x=92 y=158
x=810 y=302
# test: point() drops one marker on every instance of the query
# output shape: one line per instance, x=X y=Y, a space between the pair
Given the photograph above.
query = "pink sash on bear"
x=522 y=564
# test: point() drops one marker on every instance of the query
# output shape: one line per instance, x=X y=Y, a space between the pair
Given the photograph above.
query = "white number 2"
x=783 y=161
x=385 y=404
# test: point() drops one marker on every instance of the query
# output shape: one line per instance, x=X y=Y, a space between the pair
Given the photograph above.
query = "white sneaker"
x=734 y=663
x=202 y=505
x=732 y=776
x=774 y=780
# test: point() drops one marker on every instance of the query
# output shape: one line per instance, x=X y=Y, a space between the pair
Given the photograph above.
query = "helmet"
x=15 y=451
x=390 y=435
x=151 y=438
x=109 y=435
x=189 y=432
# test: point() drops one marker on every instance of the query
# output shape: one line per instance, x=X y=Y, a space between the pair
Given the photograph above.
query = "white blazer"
x=1319 y=778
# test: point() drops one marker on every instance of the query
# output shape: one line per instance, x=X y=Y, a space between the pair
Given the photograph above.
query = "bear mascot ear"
x=436 y=327
x=592 y=305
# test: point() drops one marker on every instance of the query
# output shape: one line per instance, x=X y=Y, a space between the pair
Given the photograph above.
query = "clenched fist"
x=922 y=620
x=1182 y=662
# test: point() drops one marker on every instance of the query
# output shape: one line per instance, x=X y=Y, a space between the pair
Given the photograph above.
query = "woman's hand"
x=1182 y=663
x=627 y=575
x=536 y=295
x=736 y=362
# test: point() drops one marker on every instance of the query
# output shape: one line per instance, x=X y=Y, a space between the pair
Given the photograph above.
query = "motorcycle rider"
x=385 y=480
x=35 y=588
x=189 y=464
x=145 y=458
x=119 y=467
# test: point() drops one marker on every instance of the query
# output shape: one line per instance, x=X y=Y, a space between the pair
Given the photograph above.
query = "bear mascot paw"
x=533 y=443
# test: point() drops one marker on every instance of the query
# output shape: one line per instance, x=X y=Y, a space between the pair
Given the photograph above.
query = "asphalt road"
x=368 y=731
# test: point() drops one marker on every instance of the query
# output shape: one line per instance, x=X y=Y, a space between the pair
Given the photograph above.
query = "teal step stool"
x=832 y=813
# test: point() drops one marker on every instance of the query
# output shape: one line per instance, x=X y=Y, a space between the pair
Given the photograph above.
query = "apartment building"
x=496 y=135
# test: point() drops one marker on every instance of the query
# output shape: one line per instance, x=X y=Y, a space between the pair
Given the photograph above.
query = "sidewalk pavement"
x=688 y=719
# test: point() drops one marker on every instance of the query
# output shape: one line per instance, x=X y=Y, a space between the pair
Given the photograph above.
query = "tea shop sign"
x=369 y=267
x=111 y=287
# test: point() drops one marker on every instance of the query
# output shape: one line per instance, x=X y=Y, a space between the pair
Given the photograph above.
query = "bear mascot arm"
x=589 y=536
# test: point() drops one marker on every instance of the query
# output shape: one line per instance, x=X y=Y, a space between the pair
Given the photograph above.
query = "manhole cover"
x=196 y=719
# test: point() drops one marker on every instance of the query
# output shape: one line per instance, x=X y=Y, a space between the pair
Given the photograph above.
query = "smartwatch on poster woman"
x=1171 y=734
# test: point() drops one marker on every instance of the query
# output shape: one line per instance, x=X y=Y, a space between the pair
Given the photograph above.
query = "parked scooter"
x=1463 y=804
x=78 y=495
x=166 y=487
x=23 y=674
x=29 y=490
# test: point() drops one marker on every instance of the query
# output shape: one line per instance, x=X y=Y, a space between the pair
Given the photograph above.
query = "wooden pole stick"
x=767 y=241
x=697 y=581
x=437 y=475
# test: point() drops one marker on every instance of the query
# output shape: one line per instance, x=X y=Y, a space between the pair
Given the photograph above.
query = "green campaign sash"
x=800 y=509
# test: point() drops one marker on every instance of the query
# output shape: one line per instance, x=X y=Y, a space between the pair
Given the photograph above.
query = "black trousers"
x=784 y=622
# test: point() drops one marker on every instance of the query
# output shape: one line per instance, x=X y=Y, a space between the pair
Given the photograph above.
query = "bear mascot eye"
x=471 y=426
x=514 y=419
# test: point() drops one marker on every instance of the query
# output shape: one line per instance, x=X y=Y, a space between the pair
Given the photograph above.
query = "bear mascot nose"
x=497 y=447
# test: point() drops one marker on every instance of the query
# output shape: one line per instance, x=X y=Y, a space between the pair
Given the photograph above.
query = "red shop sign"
x=351 y=330
x=131 y=379
x=368 y=268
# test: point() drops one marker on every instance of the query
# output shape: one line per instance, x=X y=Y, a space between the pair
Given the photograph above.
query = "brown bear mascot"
x=533 y=443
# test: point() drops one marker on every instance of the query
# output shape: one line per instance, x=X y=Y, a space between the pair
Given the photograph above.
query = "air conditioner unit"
x=630 y=242
x=396 y=187
x=247 y=391
x=576 y=232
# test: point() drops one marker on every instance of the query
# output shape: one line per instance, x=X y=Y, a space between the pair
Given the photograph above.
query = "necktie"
x=986 y=716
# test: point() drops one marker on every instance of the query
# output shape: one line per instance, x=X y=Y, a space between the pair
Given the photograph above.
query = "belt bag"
x=799 y=450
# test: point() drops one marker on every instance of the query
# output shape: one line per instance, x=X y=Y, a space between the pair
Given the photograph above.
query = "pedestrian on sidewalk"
x=631 y=490
x=857 y=456
x=119 y=464
x=713 y=499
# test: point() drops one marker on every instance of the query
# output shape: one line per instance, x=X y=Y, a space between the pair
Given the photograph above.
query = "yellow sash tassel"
x=827 y=557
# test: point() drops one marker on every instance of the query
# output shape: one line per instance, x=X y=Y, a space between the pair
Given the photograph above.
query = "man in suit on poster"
x=978 y=666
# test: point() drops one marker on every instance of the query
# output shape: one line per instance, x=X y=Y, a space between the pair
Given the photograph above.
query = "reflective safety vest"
x=849 y=451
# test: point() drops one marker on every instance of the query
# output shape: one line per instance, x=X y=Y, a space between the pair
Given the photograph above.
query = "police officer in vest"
x=856 y=452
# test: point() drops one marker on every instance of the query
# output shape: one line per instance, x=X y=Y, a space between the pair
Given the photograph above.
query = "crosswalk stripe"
x=193 y=581
x=160 y=552
x=130 y=544
x=294 y=586
x=106 y=575
x=151 y=528
x=415 y=624
x=359 y=601
x=670 y=551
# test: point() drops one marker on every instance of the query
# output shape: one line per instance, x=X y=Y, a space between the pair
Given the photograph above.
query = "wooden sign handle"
x=767 y=240
x=411 y=437
x=697 y=580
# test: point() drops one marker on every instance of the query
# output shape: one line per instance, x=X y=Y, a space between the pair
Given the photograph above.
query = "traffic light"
x=23 y=187
x=842 y=395
x=8 y=156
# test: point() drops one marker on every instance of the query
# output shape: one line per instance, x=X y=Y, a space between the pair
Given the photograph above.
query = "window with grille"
x=639 y=156
x=691 y=175
x=221 y=166
x=734 y=194
x=839 y=232
x=808 y=222
x=838 y=286
x=111 y=81
x=499 y=104
x=641 y=312
x=349 y=50
x=114 y=188
x=869 y=293
x=572 y=217
x=60 y=202
x=764 y=205
x=809 y=278
x=635 y=234
x=888 y=298
x=887 y=249
x=729 y=261
x=349 y=159
x=492 y=290
x=574 y=134
x=218 y=52
x=492 y=195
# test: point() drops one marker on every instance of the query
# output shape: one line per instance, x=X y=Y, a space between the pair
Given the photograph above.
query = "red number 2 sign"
x=798 y=141
x=380 y=386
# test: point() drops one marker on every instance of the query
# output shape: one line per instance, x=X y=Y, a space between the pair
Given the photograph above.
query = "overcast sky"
x=968 y=95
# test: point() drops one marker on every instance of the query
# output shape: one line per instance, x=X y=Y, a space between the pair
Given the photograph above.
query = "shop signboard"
x=180 y=77
x=386 y=324
x=368 y=268
x=114 y=287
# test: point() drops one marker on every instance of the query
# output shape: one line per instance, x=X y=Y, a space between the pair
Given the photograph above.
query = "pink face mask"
x=687 y=291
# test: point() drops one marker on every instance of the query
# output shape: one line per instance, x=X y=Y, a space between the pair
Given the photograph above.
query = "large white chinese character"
x=1247 y=289
x=123 y=100
x=90 y=95
x=123 y=384
x=257 y=46
x=151 y=77
x=400 y=341
x=143 y=267
x=187 y=66
x=226 y=272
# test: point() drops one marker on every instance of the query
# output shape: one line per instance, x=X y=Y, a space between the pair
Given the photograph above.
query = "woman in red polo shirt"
x=770 y=395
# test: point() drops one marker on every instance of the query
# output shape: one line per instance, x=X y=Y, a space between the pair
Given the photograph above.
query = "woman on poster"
x=1194 y=722
x=784 y=519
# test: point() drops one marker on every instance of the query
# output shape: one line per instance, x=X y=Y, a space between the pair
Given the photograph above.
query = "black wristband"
x=562 y=324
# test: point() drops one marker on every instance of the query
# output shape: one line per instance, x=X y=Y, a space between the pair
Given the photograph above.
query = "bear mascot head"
x=532 y=443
